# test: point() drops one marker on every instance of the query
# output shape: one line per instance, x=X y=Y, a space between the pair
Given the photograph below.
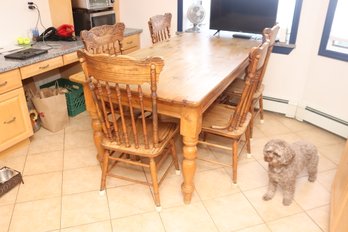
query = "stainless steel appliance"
x=85 y=19
x=92 y=4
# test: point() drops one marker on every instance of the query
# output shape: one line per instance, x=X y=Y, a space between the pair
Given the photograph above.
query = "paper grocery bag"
x=53 y=111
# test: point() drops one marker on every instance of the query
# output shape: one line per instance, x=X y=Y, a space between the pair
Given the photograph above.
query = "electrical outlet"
x=31 y=6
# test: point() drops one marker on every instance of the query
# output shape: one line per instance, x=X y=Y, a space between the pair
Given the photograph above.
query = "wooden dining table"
x=198 y=67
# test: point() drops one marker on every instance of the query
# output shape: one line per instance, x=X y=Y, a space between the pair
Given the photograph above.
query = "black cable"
x=33 y=6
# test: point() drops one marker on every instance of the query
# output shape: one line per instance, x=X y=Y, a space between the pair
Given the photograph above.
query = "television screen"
x=250 y=16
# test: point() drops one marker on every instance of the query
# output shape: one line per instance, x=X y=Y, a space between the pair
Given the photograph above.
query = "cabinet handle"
x=3 y=84
x=129 y=42
x=43 y=67
x=10 y=121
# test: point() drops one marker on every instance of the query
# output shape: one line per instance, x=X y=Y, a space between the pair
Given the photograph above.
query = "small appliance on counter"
x=91 y=13
x=92 y=4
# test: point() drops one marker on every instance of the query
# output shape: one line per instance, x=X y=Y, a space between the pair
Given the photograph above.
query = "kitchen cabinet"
x=15 y=124
x=339 y=196
x=41 y=67
x=61 y=12
x=130 y=43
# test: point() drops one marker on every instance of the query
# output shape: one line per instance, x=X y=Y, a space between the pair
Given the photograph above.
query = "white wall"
x=327 y=79
x=136 y=14
x=306 y=78
x=16 y=19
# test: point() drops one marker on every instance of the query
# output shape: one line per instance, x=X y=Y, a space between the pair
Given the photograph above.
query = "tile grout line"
x=212 y=219
x=61 y=189
x=15 y=202
x=312 y=219
x=107 y=200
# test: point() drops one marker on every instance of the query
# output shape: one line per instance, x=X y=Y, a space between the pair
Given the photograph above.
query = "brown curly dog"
x=285 y=162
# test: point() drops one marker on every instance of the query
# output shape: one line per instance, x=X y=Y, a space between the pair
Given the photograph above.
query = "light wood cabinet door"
x=61 y=12
x=130 y=43
x=10 y=80
x=70 y=58
x=339 y=196
x=41 y=67
x=14 y=118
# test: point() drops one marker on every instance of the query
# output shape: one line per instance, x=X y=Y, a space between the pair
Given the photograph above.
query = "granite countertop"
x=55 y=49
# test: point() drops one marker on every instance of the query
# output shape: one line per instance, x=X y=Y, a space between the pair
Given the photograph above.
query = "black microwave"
x=86 y=19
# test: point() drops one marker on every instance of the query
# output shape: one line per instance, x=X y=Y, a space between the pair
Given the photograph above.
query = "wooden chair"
x=159 y=26
x=124 y=82
x=234 y=122
x=104 y=39
x=233 y=93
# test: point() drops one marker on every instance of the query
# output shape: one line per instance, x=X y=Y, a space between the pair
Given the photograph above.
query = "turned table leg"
x=189 y=167
x=190 y=127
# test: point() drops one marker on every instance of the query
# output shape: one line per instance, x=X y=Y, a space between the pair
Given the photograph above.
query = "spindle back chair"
x=234 y=122
x=119 y=84
x=233 y=93
x=159 y=26
x=104 y=39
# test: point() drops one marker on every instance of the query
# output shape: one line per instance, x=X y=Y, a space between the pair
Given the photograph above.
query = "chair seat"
x=218 y=116
x=166 y=130
x=237 y=86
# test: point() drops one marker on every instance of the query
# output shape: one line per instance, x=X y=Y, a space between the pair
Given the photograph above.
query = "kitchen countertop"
x=55 y=49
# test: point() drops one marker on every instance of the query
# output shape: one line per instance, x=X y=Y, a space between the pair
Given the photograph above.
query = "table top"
x=196 y=64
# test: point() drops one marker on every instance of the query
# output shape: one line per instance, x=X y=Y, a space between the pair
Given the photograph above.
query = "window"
x=284 y=19
x=289 y=25
x=334 y=41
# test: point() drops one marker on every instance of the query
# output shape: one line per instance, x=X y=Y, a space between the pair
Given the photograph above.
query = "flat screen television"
x=249 y=16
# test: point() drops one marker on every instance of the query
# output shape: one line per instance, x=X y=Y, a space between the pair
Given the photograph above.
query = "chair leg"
x=104 y=172
x=234 y=160
x=153 y=171
x=247 y=138
x=261 y=108
x=175 y=157
x=204 y=135
x=252 y=111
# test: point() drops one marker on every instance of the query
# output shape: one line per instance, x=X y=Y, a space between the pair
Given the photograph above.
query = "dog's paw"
x=312 y=178
x=267 y=197
x=287 y=202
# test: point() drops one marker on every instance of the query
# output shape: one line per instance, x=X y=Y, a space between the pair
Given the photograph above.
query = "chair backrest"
x=257 y=61
x=159 y=26
x=119 y=85
x=271 y=35
x=104 y=39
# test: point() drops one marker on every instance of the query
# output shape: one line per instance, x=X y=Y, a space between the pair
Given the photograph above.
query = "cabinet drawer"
x=15 y=123
x=10 y=80
x=41 y=67
x=70 y=58
x=130 y=42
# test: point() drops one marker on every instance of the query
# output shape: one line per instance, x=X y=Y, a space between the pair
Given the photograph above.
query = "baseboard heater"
x=308 y=114
x=275 y=99
x=345 y=123
x=278 y=105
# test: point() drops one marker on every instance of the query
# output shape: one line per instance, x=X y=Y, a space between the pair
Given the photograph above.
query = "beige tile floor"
x=62 y=179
